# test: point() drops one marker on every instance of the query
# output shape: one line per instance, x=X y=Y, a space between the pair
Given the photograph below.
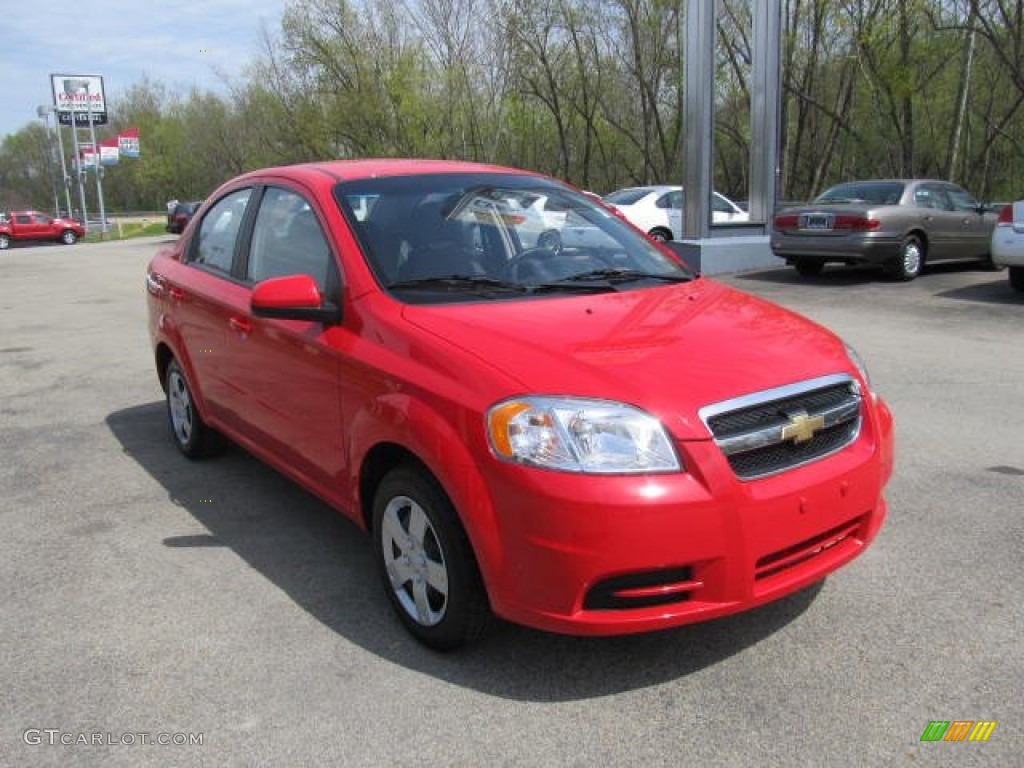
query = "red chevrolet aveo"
x=577 y=434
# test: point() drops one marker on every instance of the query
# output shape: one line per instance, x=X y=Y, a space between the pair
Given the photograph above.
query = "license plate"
x=816 y=221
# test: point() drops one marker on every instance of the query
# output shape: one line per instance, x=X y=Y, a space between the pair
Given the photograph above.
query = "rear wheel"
x=660 y=234
x=1017 y=278
x=68 y=237
x=809 y=267
x=908 y=264
x=5 y=242
x=426 y=561
x=190 y=433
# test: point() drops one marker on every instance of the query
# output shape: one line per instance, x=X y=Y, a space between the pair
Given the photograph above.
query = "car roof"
x=658 y=188
x=346 y=170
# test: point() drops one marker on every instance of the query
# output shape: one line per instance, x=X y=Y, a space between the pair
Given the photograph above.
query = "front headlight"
x=579 y=435
x=858 y=363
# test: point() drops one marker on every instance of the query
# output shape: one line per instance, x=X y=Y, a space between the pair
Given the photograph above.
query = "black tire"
x=660 y=234
x=188 y=430
x=809 y=267
x=5 y=242
x=1017 y=278
x=432 y=581
x=910 y=262
x=68 y=237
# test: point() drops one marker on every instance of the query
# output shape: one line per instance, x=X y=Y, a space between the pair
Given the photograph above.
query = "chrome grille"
x=769 y=432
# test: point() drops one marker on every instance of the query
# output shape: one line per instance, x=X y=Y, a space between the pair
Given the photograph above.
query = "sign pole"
x=77 y=166
x=96 y=161
x=63 y=162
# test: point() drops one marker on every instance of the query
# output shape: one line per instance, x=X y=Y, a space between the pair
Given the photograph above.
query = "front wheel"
x=68 y=237
x=908 y=264
x=426 y=561
x=660 y=234
x=1017 y=278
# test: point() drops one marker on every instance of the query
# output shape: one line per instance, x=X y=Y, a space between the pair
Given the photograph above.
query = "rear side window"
x=218 y=232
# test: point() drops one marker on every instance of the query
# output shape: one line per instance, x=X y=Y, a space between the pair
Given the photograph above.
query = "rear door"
x=939 y=219
x=672 y=203
x=975 y=228
x=205 y=295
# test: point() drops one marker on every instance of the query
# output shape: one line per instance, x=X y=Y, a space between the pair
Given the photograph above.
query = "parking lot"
x=148 y=596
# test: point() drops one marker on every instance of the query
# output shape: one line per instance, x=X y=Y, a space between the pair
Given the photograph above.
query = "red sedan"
x=585 y=439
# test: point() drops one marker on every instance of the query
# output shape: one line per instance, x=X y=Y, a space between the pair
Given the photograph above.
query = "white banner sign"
x=76 y=96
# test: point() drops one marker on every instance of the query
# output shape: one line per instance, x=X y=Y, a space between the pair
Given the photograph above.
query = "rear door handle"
x=240 y=324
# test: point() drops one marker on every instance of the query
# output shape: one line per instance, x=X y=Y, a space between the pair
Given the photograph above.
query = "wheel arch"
x=922 y=237
x=163 y=355
x=426 y=440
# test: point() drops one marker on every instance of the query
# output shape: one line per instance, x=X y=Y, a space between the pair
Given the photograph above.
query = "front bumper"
x=588 y=555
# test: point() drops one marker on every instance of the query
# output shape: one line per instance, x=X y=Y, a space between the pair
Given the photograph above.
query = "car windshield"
x=875 y=192
x=467 y=237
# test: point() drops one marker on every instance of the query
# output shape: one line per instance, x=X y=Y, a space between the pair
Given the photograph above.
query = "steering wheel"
x=510 y=271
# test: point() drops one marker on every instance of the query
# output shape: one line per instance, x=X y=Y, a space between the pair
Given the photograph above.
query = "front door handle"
x=240 y=324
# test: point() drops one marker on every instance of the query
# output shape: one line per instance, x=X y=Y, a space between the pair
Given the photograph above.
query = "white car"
x=1007 y=247
x=550 y=224
x=658 y=210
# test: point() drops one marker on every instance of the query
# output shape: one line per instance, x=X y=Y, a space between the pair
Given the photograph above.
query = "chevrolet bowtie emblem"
x=802 y=427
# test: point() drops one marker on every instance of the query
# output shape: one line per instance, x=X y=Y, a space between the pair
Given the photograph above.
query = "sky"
x=180 y=44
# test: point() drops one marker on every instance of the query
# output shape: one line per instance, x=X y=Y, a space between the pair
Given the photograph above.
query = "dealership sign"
x=75 y=96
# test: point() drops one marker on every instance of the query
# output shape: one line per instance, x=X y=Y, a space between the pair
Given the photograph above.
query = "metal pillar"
x=765 y=110
x=736 y=246
x=698 y=116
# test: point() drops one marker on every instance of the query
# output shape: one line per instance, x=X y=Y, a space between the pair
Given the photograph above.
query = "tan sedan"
x=899 y=224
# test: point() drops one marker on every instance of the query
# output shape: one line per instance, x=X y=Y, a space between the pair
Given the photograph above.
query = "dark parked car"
x=179 y=217
x=897 y=223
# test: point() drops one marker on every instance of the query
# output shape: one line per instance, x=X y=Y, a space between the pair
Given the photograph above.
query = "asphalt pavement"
x=148 y=598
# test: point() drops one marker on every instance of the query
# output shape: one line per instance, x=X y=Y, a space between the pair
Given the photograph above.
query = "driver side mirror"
x=293 y=297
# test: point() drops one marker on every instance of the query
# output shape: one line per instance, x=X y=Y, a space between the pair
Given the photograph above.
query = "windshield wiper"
x=613 y=275
x=460 y=283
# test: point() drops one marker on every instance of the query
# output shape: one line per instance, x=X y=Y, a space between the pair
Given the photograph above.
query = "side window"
x=40 y=219
x=215 y=241
x=961 y=198
x=671 y=200
x=923 y=198
x=287 y=240
x=23 y=219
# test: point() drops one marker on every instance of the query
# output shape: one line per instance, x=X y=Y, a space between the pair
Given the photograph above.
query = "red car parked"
x=588 y=440
x=16 y=226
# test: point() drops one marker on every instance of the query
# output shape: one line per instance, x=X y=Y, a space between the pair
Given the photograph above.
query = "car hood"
x=670 y=350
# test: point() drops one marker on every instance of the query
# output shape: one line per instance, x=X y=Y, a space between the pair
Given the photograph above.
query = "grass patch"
x=127 y=230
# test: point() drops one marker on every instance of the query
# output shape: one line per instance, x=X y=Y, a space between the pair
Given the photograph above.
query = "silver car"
x=899 y=224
